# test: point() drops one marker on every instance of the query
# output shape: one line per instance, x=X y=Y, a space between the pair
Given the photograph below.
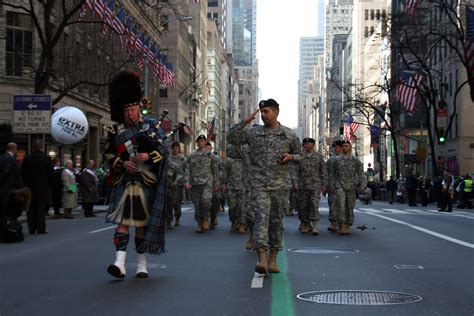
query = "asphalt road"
x=64 y=272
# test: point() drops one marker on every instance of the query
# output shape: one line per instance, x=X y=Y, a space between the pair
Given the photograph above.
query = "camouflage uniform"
x=248 y=208
x=312 y=175
x=270 y=181
x=329 y=166
x=347 y=177
x=233 y=180
x=217 y=196
x=177 y=164
x=293 y=202
x=201 y=172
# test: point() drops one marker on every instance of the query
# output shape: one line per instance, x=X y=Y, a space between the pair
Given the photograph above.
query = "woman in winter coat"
x=70 y=189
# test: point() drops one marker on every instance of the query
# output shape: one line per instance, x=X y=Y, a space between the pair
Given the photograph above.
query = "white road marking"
x=395 y=211
x=426 y=231
x=100 y=230
x=372 y=210
x=257 y=281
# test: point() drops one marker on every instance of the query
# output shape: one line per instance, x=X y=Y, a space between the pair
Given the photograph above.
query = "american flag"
x=99 y=8
x=87 y=4
x=108 y=16
x=407 y=89
x=211 y=135
x=469 y=45
x=410 y=7
x=350 y=128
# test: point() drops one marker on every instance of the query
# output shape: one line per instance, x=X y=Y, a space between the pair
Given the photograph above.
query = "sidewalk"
x=77 y=212
x=430 y=206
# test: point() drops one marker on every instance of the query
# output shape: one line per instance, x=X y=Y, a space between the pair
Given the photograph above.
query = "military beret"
x=268 y=103
x=175 y=144
x=309 y=140
x=346 y=142
x=201 y=137
x=337 y=143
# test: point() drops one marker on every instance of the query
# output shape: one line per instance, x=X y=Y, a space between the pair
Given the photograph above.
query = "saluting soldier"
x=348 y=178
x=312 y=175
x=234 y=186
x=271 y=147
x=217 y=195
x=201 y=177
x=337 y=149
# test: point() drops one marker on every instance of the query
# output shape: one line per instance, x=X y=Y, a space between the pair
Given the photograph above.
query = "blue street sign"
x=32 y=102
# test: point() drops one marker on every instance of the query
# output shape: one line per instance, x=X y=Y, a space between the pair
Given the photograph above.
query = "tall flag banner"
x=407 y=89
x=134 y=41
x=211 y=135
x=350 y=128
x=409 y=7
x=469 y=45
x=374 y=136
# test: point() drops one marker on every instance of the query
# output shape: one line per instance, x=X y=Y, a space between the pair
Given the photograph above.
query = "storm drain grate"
x=359 y=297
x=318 y=250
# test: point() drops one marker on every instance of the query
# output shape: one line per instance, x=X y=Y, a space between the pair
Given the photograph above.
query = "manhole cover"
x=359 y=297
x=318 y=250
x=149 y=265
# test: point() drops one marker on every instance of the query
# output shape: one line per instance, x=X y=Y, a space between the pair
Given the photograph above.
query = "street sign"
x=442 y=118
x=32 y=114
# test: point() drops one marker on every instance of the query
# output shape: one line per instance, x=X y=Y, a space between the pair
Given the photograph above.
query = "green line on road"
x=282 y=298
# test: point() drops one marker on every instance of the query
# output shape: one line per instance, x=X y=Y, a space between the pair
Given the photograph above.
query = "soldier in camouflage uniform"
x=271 y=147
x=234 y=186
x=217 y=195
x=312 y=175
x=293 y=202
x=248 y=209
x=337 y=148
x=201 y=176
x=177 y=163
x=348 y=178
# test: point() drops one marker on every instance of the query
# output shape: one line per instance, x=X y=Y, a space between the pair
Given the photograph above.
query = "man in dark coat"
x=88 y=188
x=37 y=172
x=411 y=184
x=10 y=175
x=392 y=187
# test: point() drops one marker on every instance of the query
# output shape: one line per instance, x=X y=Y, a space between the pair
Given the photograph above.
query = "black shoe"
x=115 y=271
x=43 y=232
x=142 y=275
x=441 y=211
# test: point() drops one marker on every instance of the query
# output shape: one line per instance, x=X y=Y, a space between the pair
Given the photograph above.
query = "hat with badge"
x=268 y=103
x=201 y=137
x=309 y=140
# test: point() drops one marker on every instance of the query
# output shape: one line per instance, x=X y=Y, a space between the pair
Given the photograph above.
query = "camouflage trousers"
x=174 y=197
x=249 y=210
x=236 y=201
x=330 y=206
x=269 y=209
x=309 y=205
x=343 y=206
x=216 y=203
x=202 y=198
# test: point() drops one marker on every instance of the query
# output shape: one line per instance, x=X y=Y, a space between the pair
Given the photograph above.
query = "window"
x=377 y=15
x=215 y=15
x=163 y=93
x=209 y=15
x=164 y=26
x=212 y=3
x=384 y=14
x=19 y=43
x=366 y=31
x=372 y=30
x=372 y=14
x=366 y=14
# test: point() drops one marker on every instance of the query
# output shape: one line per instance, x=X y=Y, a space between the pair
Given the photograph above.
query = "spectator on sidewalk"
x=88 y=188
x=10 y=175
x=447 y=192
x=37 y=172
x=69 y=189
x=411 y=185
x=57 y=187
x=424 y=190
x=391 y=189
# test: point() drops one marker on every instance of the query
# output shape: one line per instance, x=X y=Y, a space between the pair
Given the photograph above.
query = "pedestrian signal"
x=145 y=107
x=441 y=136
x=341 y=132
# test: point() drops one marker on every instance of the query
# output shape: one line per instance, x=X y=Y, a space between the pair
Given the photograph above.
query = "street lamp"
x=179 y=18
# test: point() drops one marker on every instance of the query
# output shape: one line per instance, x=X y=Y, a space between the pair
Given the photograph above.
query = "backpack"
x=10 y=230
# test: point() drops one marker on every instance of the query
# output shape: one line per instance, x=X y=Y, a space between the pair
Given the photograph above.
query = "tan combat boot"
x=333 y=227
x=305 y=228
x=241 y=229
x=315 y=230
x=272 y=263
x=343 y=229
x=205 y=224
x=232 y=228
x=348 y=230
x=249 y=245
x=262 y=264
x=199 y=228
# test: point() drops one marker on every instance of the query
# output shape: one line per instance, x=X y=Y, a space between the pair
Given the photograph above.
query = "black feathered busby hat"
x=125 y=90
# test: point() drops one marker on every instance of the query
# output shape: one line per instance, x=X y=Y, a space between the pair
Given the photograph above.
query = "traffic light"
x=145 y=107
x=341 y=132
x=441 y=136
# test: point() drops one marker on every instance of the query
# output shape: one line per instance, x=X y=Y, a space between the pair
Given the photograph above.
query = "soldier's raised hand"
x=249 y=119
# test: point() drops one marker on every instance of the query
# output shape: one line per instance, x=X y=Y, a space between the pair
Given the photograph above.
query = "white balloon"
x=69 y=125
